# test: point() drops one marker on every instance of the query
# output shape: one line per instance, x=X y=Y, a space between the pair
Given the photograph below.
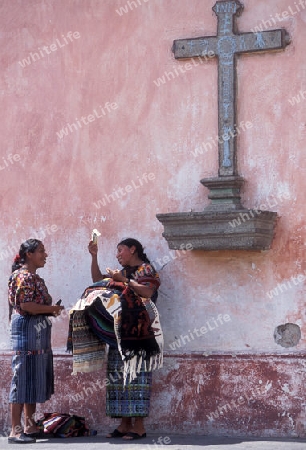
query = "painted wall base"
x=242 y=395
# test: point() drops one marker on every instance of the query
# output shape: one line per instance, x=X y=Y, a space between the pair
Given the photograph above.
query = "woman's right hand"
x=116 y=274
x=93 y=248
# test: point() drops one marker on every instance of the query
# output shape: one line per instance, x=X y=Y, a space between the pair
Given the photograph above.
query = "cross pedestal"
x=211 y=228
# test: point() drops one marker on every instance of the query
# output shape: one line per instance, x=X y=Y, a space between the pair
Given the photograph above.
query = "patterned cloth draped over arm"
x=118 y=316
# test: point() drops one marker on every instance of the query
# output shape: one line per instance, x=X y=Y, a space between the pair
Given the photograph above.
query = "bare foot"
x=124 y=427
x=31 y=430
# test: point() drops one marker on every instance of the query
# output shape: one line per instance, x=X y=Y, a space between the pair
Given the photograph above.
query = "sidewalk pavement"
x=162 y=442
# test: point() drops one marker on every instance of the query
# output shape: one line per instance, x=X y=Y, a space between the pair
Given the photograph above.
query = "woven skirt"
x=32 y=363
x=132 y=400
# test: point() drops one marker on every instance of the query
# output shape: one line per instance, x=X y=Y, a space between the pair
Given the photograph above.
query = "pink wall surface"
x=93 y=138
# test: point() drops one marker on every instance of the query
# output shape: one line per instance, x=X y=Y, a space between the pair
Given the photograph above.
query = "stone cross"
x=211 y=229
x=226 y=46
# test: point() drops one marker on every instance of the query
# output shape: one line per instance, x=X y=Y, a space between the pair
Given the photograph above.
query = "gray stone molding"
x=240 y=229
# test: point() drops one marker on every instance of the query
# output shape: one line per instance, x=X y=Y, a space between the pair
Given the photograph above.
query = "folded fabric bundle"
x=64 y=425
x=108 y=313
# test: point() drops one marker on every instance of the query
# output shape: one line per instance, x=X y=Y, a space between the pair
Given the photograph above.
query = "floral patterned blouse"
x=25 y=286
x=146 y=275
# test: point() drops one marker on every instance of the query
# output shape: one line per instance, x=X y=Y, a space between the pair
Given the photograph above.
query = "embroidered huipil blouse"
x=25 y=286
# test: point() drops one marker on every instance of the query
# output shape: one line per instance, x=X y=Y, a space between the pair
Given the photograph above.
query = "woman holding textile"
x=32 y=363
x=137 y=280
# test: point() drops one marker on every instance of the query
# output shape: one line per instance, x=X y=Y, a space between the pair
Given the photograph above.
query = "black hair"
x=130 y=242
x=28 y=246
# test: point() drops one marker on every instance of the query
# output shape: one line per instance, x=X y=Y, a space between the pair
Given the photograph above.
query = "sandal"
x=133 y=436
x=22 y=439
x=116 y=434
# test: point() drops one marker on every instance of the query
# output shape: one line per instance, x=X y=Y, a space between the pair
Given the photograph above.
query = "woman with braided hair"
x=32 y=363
x=137 y=349
x=119 y=310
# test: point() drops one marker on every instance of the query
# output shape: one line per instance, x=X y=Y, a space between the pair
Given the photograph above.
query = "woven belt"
x=32 y=352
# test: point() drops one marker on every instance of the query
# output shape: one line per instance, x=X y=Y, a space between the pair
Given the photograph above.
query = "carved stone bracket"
x=240 y=229
x=224 y=224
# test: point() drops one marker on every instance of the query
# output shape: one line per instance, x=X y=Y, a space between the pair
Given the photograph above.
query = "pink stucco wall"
x=128 y=153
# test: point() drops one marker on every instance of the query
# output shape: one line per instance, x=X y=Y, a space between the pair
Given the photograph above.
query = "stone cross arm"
x=229 y=45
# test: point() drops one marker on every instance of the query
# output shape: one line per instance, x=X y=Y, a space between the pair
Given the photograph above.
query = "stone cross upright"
x=226 y=46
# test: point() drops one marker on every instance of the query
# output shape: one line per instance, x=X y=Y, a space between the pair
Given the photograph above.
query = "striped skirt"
x=133 y=400
x=32 y=363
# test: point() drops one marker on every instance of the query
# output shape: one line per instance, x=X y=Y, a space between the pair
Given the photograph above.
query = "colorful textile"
x=87 y=346
x=88 y=350
x=32 y=364
x=132 y=400
x=25 y=286
x=64 y=425
x=119 y=317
